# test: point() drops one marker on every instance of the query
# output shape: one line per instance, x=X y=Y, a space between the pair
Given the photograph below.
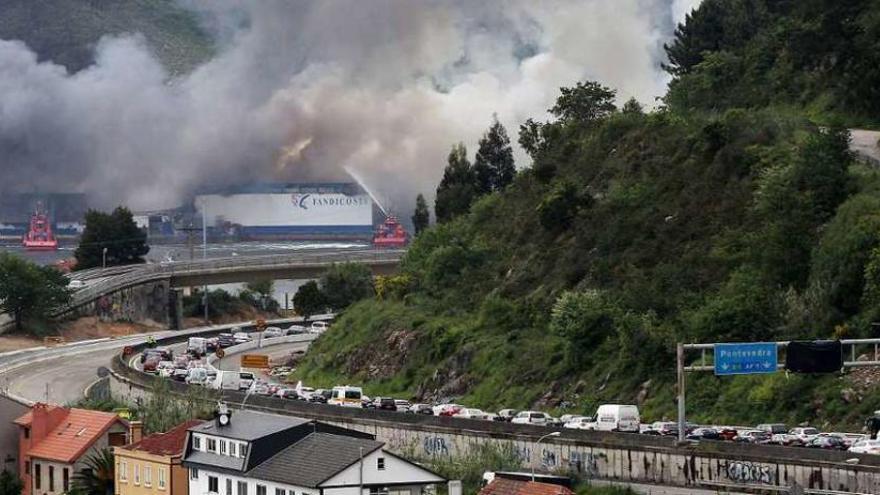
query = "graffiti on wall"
x=747 y=472
x=584 y=463
x=435 y=446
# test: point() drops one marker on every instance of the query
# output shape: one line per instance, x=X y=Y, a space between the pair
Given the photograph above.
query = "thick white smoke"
x=303 y=90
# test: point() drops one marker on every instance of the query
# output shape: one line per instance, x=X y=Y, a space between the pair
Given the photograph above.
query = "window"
x=38 y=476
x=229 y=484
x=223 y=446
x=280 y=491
x=374 y=490
x=27 y=467
x=65 y=479
x=148 y=476
x=27 y=432
x=197 y=442
x=161 y=475
x=242 y=488
x=137 y=474
x=232 y=446
x=380 y=464
x=213 y=484
x=242 y=450
x=261 y=489
x=193 y=474
x=212 y=445
x=51 y=478
x=123 y=471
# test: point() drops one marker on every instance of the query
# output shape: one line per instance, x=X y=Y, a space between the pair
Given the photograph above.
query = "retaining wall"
x=604 y=455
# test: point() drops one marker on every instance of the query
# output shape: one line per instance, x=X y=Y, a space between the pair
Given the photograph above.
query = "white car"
x=273 y=332
x=581 y=423
x=446 y=409
x=246 y=380
x=319 y=327
x=470 y=413
x=532 y=418
x=866 y=446
x=197 y=376
x=241 y=338
x=805 y=434
x=297 y=329
x=402 y=405
x=165 y=369
x=76 y=284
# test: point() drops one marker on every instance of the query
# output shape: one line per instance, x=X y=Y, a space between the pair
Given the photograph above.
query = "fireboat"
x=39 y=235
x=390 y=234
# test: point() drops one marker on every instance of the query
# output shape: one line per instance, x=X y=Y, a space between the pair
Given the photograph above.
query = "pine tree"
x=421 y=217
x=457 y=189
x=493 y=166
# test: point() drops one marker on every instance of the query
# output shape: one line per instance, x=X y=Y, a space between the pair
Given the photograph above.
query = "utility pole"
x=680 y=374
x=205 y=252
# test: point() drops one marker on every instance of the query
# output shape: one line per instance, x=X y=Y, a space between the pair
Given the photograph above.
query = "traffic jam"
x=191 y=367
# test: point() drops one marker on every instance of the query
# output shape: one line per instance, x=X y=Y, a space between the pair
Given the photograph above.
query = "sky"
x=316 y=90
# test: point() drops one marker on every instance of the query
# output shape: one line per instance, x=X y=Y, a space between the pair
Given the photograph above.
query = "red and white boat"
x=390 y=234
x=39 y=235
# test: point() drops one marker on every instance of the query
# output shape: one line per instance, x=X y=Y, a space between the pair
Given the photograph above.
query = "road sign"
x=745 y=359
x=254 y=361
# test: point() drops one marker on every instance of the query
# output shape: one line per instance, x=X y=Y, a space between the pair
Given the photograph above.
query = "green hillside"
x=66 y=31
x=630 y=232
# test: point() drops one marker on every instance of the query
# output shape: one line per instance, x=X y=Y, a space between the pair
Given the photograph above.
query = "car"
x=287 y=393
x=163 y=353
x=827 y=442
x=280 y=371
x=447 y=409
x=507 y=414
x=197 y=376
x=753 y=436
x=151 y=364
x=665 y=428
x=76 y=284
x=225 y=340
x=165 y=368
x=297 y=330
x=402 y=405
x=786 y=439
x=471 y=413
x=772 y=428
x=246 y=379
x=704 y=433
x=259 y=388
x=179 y=375
x=346 y=396
x=320 y=396
x=212 y=344
x=385 y=403
x=273 y=332
x=581 y=423
x=318 y=327
x=865 y=446
x=304 y=392
x=421 y=409
x=531 y=418
x=241 y=338
x=804 y=434
x=565 y=418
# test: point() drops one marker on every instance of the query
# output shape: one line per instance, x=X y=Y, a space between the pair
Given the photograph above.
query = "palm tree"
x=98 y=477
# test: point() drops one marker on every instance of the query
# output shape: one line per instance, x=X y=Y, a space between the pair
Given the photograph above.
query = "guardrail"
x=166 y=270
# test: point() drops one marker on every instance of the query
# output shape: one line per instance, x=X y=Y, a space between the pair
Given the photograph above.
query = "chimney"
x=454 y=487
x=135 y=431
x=39 y=422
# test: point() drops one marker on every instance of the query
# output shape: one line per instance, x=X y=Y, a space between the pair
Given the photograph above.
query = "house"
x=250 y=453
x=152 y=465
x=54 y=443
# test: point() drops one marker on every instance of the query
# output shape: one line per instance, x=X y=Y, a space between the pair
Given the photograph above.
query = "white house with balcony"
x=250 y=453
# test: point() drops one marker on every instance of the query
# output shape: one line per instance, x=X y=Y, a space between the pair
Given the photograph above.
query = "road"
x=865 y=143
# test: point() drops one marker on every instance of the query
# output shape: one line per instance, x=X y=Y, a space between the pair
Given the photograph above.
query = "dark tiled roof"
x=250 y=425
x=314 y=459
x=171 y=442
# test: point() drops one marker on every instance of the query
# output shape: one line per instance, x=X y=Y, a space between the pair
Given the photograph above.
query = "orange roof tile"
x=76 y=433
x=506 y=486
x=169 y=443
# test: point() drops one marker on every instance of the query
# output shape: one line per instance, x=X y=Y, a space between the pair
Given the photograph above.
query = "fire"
x=292 y=154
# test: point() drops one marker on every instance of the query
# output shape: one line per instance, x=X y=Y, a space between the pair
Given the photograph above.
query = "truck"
x=197 y=346
x=226 y=380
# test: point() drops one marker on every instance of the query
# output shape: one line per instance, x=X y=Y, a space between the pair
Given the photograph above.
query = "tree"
x=632 y=107
x=117 y=233
x=346 y=283
x=493 y=166
x=458 y=187
x=421 y=217
x=585 y=103
x=309 y=299
x=559 y=207
x=97 y=477
x=29 y=291
x=10 y=484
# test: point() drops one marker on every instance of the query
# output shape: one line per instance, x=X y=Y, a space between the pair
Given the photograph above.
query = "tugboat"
x=390 y=234
x=39 y=236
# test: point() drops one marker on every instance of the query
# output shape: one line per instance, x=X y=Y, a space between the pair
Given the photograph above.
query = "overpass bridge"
x=148 y=291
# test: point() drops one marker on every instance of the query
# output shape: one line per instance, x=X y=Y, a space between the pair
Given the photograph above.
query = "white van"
x=197 y=346
x=319 y=327
x=616 y=417
x=346 y=396
x=226 y=380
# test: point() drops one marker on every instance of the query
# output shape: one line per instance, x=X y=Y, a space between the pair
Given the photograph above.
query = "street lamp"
x=552 y=434
x=104 y=258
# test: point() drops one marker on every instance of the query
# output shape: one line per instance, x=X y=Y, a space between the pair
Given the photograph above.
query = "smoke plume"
x=303 y=90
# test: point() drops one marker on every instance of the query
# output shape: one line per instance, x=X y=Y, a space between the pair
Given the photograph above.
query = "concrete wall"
x=9 y=410
x=147 y=302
